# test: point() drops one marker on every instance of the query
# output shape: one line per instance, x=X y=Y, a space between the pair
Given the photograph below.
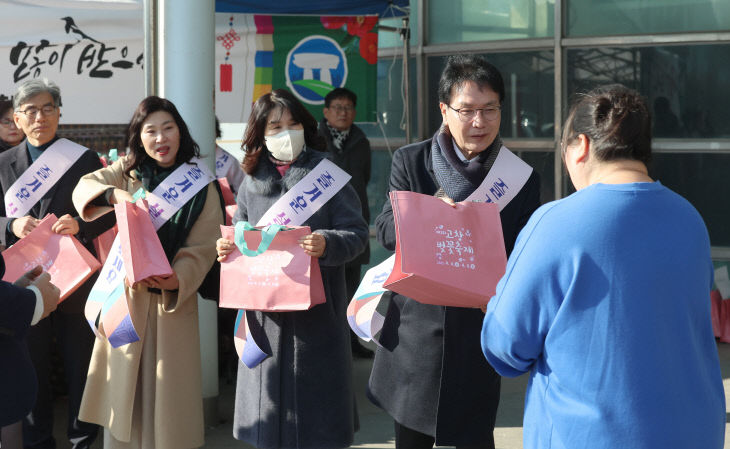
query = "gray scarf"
x=458 y=179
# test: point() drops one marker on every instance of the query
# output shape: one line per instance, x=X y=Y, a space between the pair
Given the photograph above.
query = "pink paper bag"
x=449 y=256
x=283 y=278
x=230 y=212
x=67 y=261
x=228 y=198
x=141 y=248
x=103 y=243
x=724 y=322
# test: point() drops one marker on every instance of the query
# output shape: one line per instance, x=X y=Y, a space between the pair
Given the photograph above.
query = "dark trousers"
x=352 y=280
x=75 y=342
x=407 y=438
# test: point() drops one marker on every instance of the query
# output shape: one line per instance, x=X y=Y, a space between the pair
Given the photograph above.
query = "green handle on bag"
x=267 y=236
x=139 y=194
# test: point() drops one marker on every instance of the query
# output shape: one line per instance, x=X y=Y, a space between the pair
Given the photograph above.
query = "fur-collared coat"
x=301 y=396
x=151 y=390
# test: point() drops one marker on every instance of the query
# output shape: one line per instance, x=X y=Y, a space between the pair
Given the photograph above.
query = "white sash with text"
x=43 y=174
x=503 y=182
x=307 y=196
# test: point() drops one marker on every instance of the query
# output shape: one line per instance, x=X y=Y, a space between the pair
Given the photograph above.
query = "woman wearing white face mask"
x=301 y=396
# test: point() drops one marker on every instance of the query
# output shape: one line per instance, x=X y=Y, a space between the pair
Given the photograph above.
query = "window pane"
x=379 y=181
x=389 y=99
x=612 y=17
x=702 y=179
x=529 y=90
x=686 y=85
x=478 y=20
x=388 y=39
x=543 y=162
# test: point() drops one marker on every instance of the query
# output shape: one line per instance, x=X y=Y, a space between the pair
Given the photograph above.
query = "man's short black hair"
x=340 y=92
x=462 y=68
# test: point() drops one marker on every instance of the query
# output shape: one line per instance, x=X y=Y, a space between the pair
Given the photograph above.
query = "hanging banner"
x=93 y=53
x=95 y=56
x=308 y=55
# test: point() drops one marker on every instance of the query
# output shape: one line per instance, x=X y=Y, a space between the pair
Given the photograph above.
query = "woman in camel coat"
x=148 y=393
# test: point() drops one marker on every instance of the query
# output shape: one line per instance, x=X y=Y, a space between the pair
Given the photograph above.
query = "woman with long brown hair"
x=300 y=397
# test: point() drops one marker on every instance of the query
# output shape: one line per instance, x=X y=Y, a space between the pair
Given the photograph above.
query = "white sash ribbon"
x=223 y=162
x=43 y=174
x=504 y=181
x=307 y=196
x=292 y=209
x=177 y=189
x=107 y=293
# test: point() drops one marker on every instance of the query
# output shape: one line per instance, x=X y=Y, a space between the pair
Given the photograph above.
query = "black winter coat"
x=57 y=200
x=355 y=159
x=431 y=375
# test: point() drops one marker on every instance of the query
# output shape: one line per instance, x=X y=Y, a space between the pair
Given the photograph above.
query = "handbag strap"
x=139 y=194
x=267 y=236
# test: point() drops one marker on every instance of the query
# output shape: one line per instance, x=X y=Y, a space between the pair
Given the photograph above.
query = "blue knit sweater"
x=606 y=302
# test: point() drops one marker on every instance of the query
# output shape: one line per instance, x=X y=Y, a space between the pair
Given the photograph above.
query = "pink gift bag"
x=444 y=255
x=103 y=243
x=228 y=197
x=67 y=261
x=230 y=212
x=141 y=248
x=280 y=278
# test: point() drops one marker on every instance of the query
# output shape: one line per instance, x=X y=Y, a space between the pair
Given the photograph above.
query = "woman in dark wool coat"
x=430 y=374
x=301 y=397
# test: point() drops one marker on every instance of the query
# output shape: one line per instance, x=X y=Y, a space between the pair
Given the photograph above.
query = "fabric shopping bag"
x=141 y=248
x=268 y=270
x=67 y=261
x=103 y=243
x=444 y=255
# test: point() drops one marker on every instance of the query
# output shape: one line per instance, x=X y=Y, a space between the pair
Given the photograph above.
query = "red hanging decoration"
x=227 y=40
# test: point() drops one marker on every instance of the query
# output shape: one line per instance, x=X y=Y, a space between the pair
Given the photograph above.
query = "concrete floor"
x=376 y=427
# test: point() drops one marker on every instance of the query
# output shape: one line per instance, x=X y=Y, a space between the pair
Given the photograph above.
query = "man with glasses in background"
x=429 y=374
x=350 y=150
x=37 y=178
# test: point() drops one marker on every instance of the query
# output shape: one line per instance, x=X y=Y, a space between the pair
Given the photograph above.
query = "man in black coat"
x=37 y=112
x=350 y=150
x=430 y=375
x=22 y=304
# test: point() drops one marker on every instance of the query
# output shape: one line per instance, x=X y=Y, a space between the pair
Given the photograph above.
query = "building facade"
x=675 y=52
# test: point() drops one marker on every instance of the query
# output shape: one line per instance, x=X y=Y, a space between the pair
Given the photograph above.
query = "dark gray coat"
x=355 y=159
x=302 y=396
x=431 y=375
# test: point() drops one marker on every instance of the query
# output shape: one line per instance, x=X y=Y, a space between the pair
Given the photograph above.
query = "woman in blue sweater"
x=612 y=317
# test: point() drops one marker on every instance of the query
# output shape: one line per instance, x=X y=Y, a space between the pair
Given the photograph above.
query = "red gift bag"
x=444 y=255
x=103 y=243
x=281 y=278
x=141 y=248
x=62 y=256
